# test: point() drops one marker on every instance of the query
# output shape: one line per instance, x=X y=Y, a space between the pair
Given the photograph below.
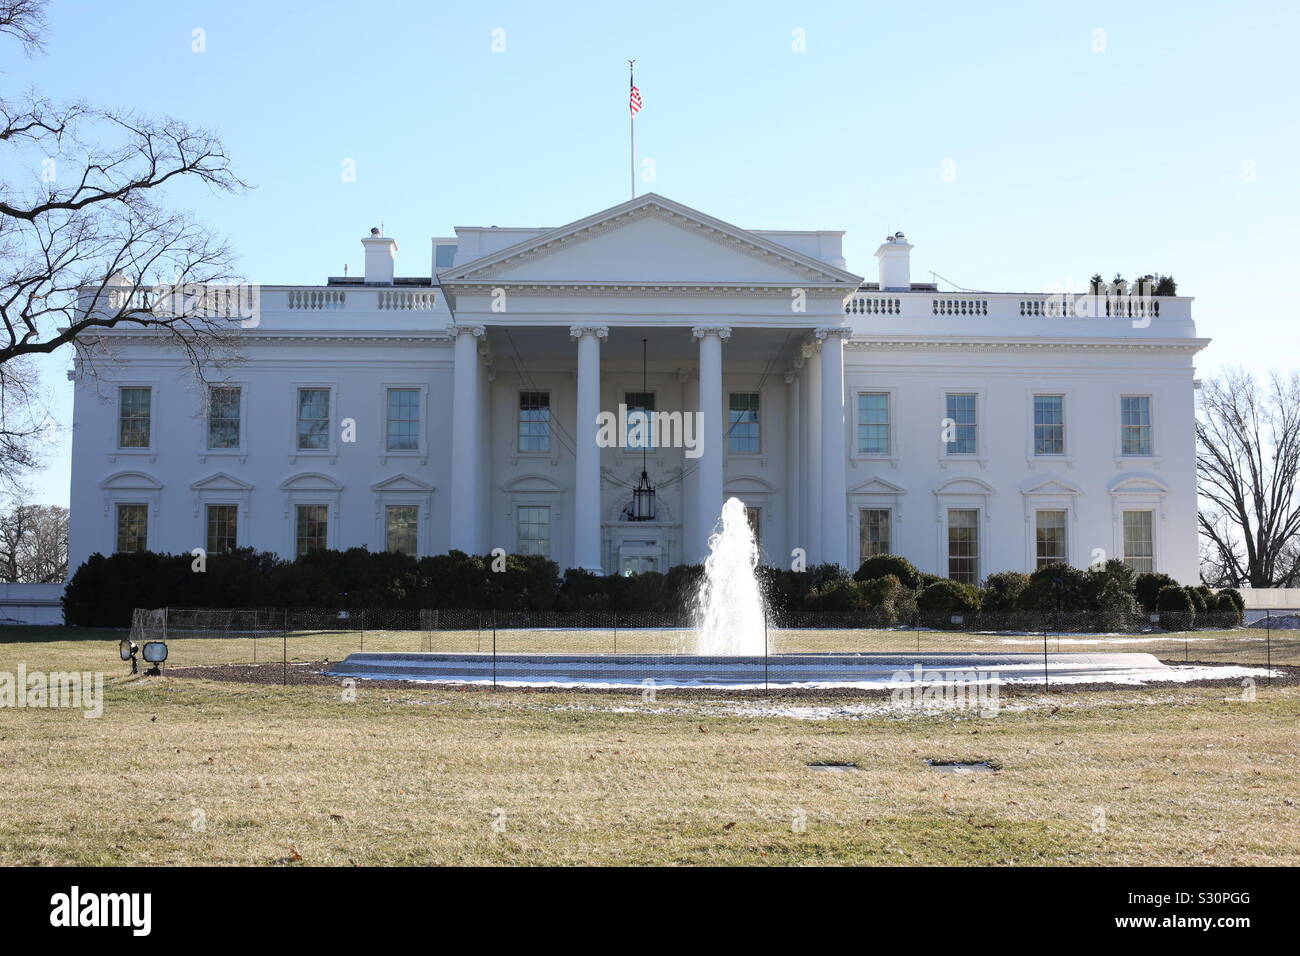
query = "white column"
x=586 y=481
x=812 y=529
x=835 y=542
x=466 y=435
x=793 y=464
x=713 y=425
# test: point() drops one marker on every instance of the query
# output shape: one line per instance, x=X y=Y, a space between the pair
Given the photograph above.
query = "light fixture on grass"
x=126 y=650
x=155 y=652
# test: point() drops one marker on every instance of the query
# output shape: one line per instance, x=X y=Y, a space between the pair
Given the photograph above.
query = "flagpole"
x=631 y=132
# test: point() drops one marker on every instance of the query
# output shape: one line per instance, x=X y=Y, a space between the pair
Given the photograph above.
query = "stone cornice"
x=251 y=336
x=649 y=289
x=950 y=344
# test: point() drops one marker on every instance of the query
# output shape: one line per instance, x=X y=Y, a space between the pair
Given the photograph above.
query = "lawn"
x=182 y=771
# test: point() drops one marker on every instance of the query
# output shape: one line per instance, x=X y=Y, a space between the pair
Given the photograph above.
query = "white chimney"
x=379 y=258
x=895 y=263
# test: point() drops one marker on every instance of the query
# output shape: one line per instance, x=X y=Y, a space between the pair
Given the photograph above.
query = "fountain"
x=729 y=606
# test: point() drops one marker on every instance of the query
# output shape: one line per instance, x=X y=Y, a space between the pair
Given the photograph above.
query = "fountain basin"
x=789 y=670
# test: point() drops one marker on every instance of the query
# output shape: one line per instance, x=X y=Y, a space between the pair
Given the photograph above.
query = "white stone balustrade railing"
x=1010 y=305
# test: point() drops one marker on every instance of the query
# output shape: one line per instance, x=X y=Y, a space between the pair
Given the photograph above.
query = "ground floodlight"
x=1155 y=618
x=155 y=652
x=126 y=650
x=957 y=619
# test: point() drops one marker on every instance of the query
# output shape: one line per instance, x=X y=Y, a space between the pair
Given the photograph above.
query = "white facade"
x=1083 y=427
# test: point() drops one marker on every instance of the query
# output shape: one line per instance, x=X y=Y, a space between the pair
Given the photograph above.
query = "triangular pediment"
x=877 y=486
x=650 y=240
x=1049 y=486
x=402 y=482
x=221 y=481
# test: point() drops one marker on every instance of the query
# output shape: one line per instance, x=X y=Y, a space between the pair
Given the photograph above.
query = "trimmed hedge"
x=886 y=590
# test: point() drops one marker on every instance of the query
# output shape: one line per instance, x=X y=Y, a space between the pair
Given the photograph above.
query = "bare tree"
x=34 y=544
x=86 y=243
x=1248 y=470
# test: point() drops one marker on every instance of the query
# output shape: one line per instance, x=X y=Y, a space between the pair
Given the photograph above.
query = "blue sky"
x=1168 y=142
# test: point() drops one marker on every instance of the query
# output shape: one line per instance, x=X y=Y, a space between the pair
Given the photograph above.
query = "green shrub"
x=1117 y=609
x=1099 y=575
x=938 y=602
x=839 y=596
x=1177 y=612
x=1197 y=598
x=880 y=565
x=1056 y=589
x=888 y=600
x=1233 y=595
x=1223 y=609
x=1147 y=586
x=1002 y=591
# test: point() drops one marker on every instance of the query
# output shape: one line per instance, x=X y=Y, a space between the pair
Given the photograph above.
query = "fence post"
x=1268 y=643
x=765 y=651
x=494 y=648
x=284 y=646
x=614 y=617
x=1046 y=680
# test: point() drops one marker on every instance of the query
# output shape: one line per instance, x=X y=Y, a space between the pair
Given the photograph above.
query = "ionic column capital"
x=599 y=331
x=825 y=331
x=723 y=332
x=478 y=331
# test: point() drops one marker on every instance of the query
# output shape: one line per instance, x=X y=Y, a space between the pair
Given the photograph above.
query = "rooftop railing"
x=1007 y=305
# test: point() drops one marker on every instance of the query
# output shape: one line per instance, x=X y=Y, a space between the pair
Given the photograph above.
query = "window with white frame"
x=743 y=424
x=873 y=423
x=873 y=532
x=222 y=528
x=1049 y=537
x=1135 y=425
x=403 y=420
x=1139 y=541
x=135 y=416
x=534 y=529
x=964 y=545
x=311 y=531
x=639 y=430
x=1049 y=424
x=132 y=526
x=961 y=409
x=534 y=421
x=223 y=417
x=313 y=418
x=401 y=529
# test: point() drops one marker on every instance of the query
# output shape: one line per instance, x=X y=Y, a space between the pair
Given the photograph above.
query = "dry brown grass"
x=417 y=776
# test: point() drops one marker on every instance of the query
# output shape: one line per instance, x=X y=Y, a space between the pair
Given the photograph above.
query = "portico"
x=738 y=321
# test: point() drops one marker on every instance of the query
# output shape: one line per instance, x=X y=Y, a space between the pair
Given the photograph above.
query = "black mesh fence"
x=503 y=647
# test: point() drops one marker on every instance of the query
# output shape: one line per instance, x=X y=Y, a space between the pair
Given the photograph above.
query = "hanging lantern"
x=643 y=500
x=643 y=495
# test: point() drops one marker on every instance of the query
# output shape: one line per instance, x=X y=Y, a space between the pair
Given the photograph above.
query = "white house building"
x=970 y=432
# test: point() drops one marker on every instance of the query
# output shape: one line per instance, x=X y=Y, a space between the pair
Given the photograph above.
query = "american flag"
x=634 y=98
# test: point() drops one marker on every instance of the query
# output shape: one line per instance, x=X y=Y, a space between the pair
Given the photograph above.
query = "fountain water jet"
x=729 y=606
